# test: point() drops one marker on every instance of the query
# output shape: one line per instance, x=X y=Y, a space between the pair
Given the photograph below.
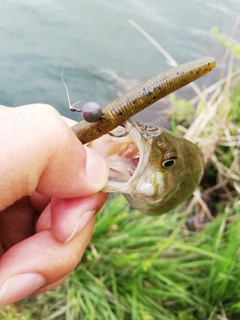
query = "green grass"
x=140 y=267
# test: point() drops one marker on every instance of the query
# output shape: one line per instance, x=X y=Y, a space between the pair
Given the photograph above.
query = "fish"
x=154 y=169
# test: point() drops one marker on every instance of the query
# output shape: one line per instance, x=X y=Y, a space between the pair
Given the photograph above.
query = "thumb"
x=40 y=152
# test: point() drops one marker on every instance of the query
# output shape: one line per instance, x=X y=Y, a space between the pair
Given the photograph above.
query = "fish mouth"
x=126 y=152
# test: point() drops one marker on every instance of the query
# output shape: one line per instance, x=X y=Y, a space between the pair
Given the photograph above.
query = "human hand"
x=49 y=194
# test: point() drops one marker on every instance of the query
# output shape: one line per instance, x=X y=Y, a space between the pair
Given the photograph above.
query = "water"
x=40 y=38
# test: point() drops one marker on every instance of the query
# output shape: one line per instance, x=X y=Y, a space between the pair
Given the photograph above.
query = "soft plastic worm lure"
x=141 y=97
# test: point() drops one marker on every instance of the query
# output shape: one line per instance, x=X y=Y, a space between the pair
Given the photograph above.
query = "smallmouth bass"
x=154 y=169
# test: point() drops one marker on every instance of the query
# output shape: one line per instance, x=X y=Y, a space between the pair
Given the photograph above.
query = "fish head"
x=155 y=169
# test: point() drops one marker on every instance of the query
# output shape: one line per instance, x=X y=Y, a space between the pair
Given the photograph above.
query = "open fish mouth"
x=152 y=167
x=126 y=152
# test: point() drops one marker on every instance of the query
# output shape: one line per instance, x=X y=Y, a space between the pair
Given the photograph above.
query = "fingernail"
x=81 y=224
x=19 y=287
x=96 y=168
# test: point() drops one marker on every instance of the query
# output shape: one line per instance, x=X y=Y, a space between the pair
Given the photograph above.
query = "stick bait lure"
x=141 y=97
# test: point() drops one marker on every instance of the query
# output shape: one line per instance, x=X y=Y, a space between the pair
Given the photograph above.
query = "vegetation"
x=179 y=266
x=139 y=267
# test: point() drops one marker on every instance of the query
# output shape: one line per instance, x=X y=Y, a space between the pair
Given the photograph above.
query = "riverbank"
x=182 y=265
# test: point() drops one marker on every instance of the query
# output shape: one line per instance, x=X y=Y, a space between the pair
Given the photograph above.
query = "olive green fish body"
x=141 y=97
x=173 y=171
x=154 y=169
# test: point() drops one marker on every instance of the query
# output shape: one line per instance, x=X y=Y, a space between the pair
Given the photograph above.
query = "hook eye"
x=118 y=132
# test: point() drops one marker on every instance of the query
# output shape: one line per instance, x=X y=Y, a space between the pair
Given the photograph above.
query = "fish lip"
x=144 y=147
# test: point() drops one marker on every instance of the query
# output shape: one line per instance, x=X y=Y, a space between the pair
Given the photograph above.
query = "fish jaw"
x=127 y=156
x=136 y=154
x=172 y=184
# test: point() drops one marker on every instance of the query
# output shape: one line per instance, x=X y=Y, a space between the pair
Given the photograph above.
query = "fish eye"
x=169 y=159
x=168 y=163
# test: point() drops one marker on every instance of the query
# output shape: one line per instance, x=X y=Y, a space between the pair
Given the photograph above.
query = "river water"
x=39 y=39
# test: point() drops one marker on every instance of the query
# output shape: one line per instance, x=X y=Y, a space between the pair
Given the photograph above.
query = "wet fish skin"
x=167 y=171
x=160 y=189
